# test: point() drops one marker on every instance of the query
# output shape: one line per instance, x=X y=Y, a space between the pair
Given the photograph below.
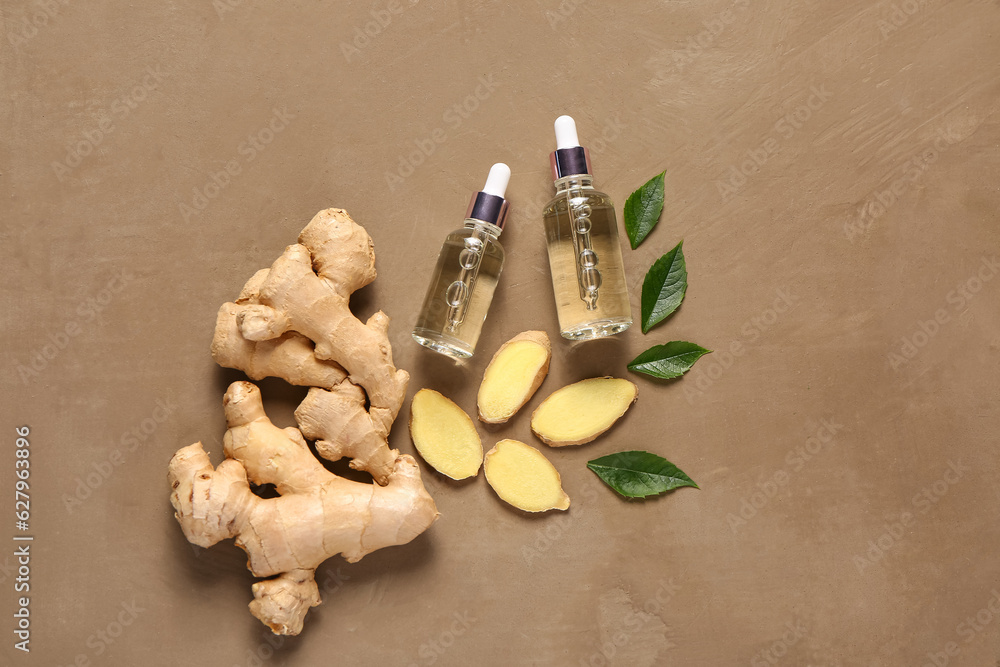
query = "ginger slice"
x=580 y=412
x=513 y=376
x=445 y=435
x=524 y=478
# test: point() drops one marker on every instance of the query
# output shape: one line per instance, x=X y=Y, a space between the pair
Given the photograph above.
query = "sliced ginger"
x=580 y=412
x=445 y=435
x=513 y=376
x=524 y=478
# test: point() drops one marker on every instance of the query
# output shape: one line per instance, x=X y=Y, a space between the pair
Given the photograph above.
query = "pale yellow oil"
x=436 y=327
x=589 y=304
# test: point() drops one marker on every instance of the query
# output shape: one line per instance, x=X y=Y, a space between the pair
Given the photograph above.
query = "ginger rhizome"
x=580 y=412
x=318 y=514
x=513 y=376
x=293 y=321
x=445 y=435
x=524 y=478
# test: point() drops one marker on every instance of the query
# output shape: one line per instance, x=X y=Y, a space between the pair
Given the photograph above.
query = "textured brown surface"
x=887 y=82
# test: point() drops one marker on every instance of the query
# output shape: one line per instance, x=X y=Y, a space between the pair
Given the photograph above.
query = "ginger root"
x=318 y=514
x=445 y=435
x=580 y=412
x=337 y=421
x=524 y=478
x=513 y=376
x=293 y=321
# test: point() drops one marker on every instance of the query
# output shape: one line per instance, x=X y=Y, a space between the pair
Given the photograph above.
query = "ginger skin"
x=293 y=297
x=293 y=321
x=318 y=515
x=337 y=421
x=289 y=356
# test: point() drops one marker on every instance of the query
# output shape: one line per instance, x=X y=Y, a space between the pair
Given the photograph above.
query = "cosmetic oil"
x=466 y=274
x=585 y=256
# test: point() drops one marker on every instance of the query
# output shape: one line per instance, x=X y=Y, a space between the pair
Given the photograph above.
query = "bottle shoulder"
x=469 y=236
x=459 y=235
x=578 y=197
x=493 y=246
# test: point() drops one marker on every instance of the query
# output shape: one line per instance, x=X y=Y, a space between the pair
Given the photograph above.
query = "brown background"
x=678 y=86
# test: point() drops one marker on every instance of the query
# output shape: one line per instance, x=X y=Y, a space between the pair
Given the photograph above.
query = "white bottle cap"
x=566 y=136
x=496 y=182
x=569 y=158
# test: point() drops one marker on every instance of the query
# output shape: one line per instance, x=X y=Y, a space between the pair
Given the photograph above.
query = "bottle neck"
x=482 y=226
x=575 y=182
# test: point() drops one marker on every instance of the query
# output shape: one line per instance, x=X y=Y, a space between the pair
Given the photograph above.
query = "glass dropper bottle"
x=585 y=256
x=466 y=274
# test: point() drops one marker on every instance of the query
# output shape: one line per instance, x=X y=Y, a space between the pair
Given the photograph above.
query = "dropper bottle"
x=585 y=256
x=466 y=274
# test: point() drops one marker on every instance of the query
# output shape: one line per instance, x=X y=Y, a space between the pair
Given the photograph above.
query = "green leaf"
x=642 y=210
x=667 y=361
x=663 y=288
x=639 y=474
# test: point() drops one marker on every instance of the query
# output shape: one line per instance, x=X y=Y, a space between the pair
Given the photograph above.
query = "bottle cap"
x=570 y=158
x=489 y=204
